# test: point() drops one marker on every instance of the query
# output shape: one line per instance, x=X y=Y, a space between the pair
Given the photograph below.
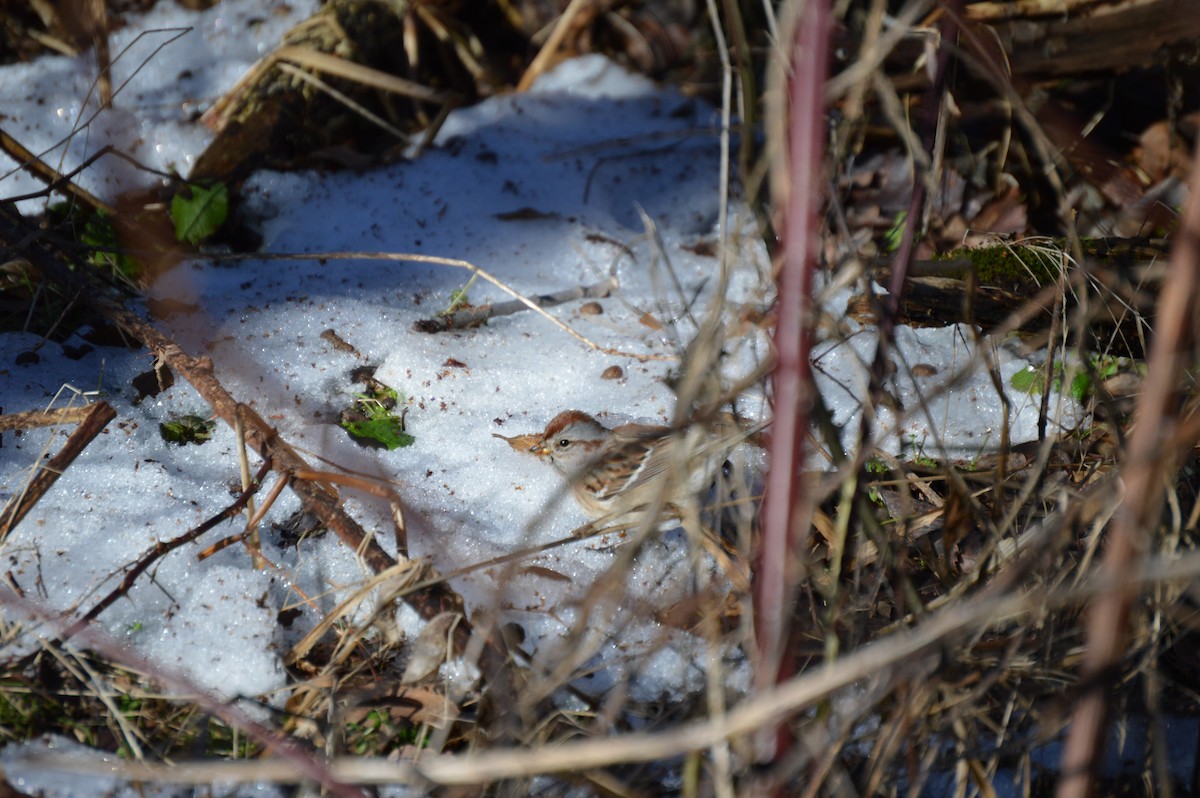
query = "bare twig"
x=251 y=525
x=165 y=547
x=373 y=486
x=472 y=317
x=44 y=418
x=54 y=179
x=97 y=419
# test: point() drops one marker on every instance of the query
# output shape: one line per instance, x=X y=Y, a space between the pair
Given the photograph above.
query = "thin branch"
x=165 y=547
x=44 y=418
x=473 y=317
x=54 y=179
x=97 y=419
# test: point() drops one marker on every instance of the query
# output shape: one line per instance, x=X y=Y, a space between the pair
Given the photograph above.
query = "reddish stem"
x=786 y=510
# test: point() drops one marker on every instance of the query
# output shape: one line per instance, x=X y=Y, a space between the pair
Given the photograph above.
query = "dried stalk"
x=1154 y=445
x=473 y=317
x=796 y=111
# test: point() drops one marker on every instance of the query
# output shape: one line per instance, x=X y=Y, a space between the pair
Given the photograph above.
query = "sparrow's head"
x=571 y=440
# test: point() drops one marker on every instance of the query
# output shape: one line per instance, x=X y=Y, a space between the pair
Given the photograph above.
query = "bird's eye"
x=564 y=443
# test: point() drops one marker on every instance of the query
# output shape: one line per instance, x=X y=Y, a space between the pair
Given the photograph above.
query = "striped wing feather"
x=646 y=443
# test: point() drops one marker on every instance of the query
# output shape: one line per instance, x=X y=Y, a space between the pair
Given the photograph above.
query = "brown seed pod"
x=612 y=373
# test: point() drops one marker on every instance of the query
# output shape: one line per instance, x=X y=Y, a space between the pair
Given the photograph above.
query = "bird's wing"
x=657 y=448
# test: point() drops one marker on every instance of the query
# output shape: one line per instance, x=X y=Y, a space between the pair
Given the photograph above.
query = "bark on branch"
x=473 y=317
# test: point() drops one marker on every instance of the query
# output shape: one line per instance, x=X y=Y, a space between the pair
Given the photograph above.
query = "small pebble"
x=612 y=373
x=924 y=370
x=591 y=309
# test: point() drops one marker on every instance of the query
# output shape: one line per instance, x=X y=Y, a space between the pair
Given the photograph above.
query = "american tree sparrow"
x=619 y=473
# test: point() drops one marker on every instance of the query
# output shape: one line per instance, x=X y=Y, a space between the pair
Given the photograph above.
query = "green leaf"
x=1081 y=386
x=187 y=429
x=372 y=419
x=387 y=430
x=1027 y=380
x=1108 y=367
x=1030 y=380
x=895 y=233
x=201 y=213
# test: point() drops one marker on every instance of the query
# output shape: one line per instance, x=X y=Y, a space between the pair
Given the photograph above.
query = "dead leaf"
x=1006 y=213
x=521 y=443
x=545 y=573
x=525 y=214
x=705 y=248
x=431 y=648
x=651 y=322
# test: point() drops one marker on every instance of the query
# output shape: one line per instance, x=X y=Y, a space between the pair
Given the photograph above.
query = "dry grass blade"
x=397 y=578
x=364 y=75
x=545 y=56
x=344 y=99
x=889 y=661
